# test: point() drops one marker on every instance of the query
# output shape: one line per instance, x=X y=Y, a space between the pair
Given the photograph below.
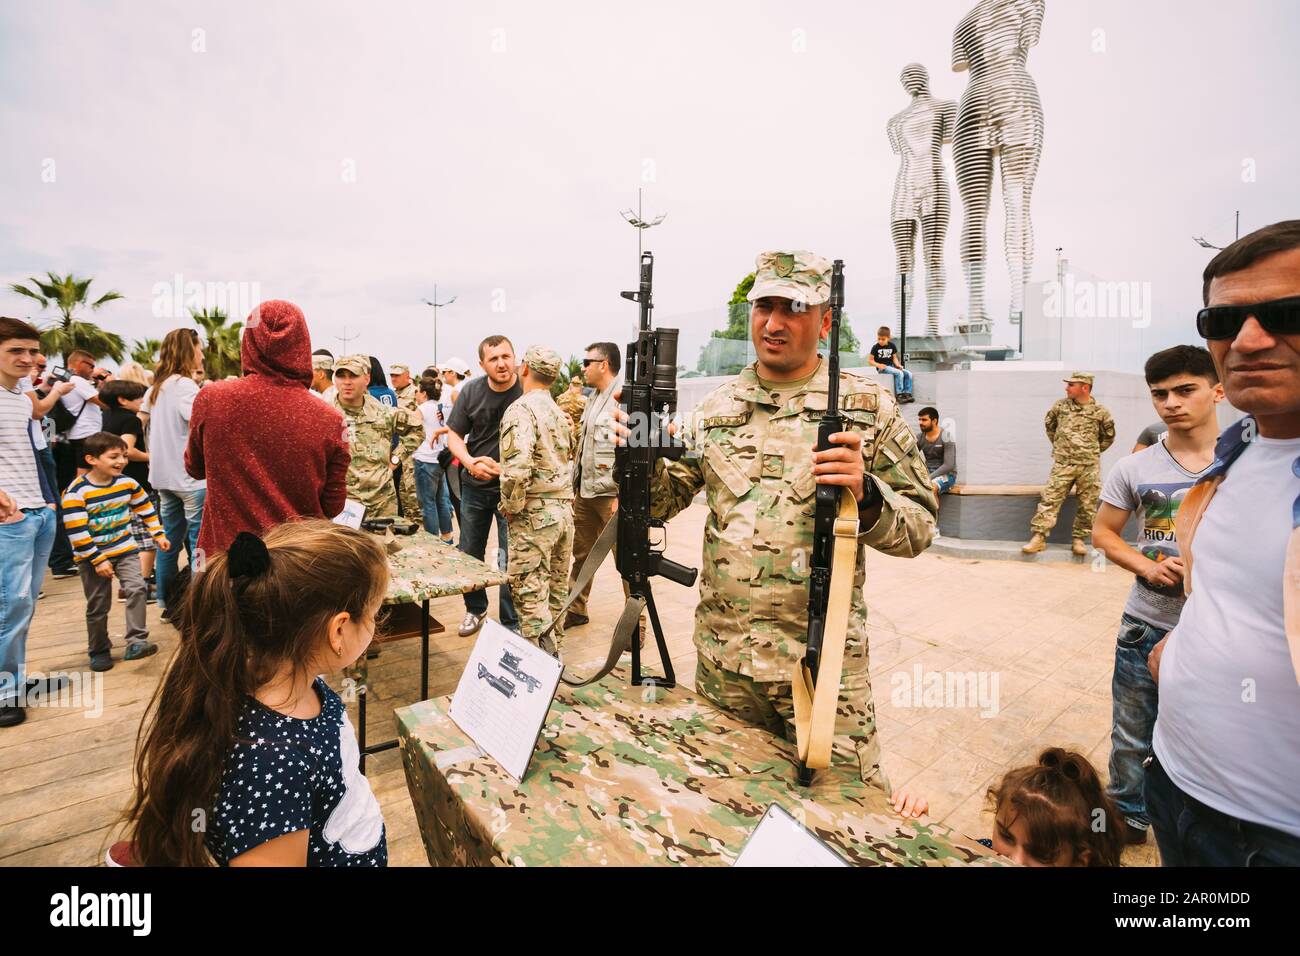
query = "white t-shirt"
x=435 y=416
x=169 y=433
x=1228 y=732
x=90 y=420
x=1152 y=484
x=18 y=466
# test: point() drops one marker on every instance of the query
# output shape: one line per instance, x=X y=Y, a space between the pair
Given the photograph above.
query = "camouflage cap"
x=1083 y=378
x=544 y=361
x=356 y=364
x=324 y=363
x=397 y=368
x=800 y=276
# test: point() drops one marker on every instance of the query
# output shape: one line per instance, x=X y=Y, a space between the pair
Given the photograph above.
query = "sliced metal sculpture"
x=1000 y=118
x=921 y=196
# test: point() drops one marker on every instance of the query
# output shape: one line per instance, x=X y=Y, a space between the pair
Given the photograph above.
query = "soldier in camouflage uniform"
x=573 y=403
x=751 y=450
x=371 y=429
x=1080 y=429
x=400 y=379
x=537 y=496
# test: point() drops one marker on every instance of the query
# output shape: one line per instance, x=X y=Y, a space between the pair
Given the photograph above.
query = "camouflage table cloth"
x=426 y=568
x=621 y=781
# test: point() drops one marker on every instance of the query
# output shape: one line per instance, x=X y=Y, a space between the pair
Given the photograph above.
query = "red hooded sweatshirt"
x=269 y=449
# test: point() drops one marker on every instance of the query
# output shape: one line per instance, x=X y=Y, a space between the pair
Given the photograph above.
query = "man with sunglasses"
x=1223 y=787
x=595 y=496
x=85 y=408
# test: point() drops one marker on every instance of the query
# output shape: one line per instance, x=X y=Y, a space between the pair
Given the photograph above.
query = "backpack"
x=64 y=419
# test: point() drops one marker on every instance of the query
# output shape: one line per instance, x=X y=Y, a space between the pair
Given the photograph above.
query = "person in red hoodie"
x=269 y=449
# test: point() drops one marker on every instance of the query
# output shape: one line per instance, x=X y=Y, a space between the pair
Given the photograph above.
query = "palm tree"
x=68 y=294
x=146 y=352
x=567 y=371
x=221 y=353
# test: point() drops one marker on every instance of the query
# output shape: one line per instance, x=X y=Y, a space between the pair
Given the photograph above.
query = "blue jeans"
x=478 y=506
x=25 y=545
x=435 y=499
x=902 y=379
x=61 y=555
x=1191 y=834
x=1133 y=716
x=181 y=514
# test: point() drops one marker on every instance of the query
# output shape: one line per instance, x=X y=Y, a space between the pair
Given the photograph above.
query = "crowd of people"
x=247 y=474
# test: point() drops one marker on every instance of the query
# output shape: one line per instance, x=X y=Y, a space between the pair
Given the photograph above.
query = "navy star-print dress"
x=286 y=774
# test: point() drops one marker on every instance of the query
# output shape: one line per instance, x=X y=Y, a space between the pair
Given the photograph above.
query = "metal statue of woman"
x=917 y=134
x=1000 y=116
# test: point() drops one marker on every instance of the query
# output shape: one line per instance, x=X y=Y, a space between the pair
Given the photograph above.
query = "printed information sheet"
x=504 y=695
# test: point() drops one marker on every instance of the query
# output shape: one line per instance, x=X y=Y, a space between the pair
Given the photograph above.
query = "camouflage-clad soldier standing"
x=537 y=496
x=1080 y=429
x=371 y=429
x=573 y=403
x=400 y=379
x=751 y=447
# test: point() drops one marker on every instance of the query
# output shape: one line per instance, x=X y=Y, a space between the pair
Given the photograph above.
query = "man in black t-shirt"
x=884 y=357
x=474 y=437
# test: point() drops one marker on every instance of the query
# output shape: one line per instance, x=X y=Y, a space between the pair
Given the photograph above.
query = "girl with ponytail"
x=1056 y=813
x=246 y=757
x=1052 y=813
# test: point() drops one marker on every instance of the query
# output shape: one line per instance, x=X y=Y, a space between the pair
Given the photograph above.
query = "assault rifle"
x=649 y=398
x=814 y=715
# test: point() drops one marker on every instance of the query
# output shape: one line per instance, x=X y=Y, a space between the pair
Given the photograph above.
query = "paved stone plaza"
x=1043 y=636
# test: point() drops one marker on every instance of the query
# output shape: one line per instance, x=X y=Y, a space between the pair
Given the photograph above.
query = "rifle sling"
x=814 y=706
x=627 y=622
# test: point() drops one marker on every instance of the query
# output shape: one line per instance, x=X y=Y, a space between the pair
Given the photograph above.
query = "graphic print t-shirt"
x=1152 y=485
x=286 y=774
x=884 y=354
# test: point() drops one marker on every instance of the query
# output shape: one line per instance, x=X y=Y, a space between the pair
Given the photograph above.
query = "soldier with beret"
x=537 y=496
x=751 y=450
x=1080 y=429
x=372 y=426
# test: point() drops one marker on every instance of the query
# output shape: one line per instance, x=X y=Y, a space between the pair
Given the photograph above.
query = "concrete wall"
x=996 y=413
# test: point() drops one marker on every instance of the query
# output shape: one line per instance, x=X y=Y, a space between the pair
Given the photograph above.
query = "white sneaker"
x=470 y=625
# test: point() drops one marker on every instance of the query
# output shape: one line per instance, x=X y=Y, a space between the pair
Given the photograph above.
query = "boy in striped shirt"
x=97 y=510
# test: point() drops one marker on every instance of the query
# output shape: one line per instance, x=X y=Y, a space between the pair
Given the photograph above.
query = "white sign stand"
x=504 y=695
x=780 y=840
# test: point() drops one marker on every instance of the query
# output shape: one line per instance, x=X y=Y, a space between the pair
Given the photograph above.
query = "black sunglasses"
x=1280 y=317
x=587 y=361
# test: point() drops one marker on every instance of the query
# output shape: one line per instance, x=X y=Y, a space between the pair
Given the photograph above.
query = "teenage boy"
x=97 y=509
x=1184 y=390
x=27 y=515
x=884 y=356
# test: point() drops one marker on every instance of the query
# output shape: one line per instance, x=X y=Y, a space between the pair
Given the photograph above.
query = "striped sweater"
x=98 y=518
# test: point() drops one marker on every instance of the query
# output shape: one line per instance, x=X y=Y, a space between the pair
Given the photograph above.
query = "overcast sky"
x=347 y=156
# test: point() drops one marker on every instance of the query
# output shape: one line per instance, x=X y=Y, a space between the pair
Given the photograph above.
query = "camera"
x=57 y=373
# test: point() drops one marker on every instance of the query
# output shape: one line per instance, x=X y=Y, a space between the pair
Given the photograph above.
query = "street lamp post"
x=1201 y=241
x=436 y=306
x=638 y=221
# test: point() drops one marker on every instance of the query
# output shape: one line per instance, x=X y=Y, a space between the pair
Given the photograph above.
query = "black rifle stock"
x=649 y=398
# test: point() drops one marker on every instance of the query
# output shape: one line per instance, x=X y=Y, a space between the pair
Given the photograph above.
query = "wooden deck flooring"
x=1046 y=631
